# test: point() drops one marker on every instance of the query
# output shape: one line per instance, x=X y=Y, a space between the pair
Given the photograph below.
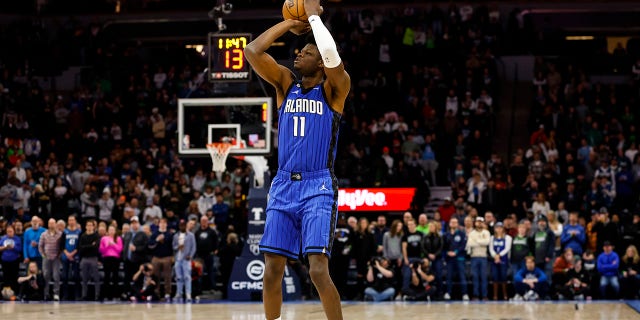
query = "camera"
x=146 y=268
x=373 y=261
x=416 y=265
x=227 y=8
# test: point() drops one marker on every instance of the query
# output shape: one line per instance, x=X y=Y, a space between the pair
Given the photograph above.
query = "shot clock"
x=226 y=57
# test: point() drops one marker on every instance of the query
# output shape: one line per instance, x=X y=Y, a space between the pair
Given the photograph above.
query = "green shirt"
x=424 y=230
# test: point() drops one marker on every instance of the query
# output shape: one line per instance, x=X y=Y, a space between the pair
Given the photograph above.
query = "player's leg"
x=320 y=215
x=281 y=241
x=319 y=272
x=272 y=285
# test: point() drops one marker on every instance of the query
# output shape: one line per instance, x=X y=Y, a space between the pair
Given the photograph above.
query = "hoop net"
x=219 y=152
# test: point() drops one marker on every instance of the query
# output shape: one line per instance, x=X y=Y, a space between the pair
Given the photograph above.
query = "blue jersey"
x=307 y=130
x=500 y=244
x=71 y=239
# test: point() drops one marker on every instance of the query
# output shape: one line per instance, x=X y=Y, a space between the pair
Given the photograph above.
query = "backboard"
x=202 y=121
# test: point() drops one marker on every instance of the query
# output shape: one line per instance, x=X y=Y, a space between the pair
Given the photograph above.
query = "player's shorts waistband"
x=299 y=176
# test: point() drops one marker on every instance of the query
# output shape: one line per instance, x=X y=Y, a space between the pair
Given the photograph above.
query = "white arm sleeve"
x=324 y=41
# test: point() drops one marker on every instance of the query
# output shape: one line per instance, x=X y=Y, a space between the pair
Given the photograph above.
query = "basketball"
x=294 y=9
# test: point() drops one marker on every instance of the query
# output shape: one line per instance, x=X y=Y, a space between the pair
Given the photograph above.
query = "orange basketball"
x=294 y=9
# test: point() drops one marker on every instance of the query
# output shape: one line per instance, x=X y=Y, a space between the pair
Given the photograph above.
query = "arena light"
x=198 y=47
x=579 y=38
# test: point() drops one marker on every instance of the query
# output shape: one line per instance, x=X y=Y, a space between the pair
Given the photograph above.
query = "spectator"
x=608 y=265
x=151 y=212
x=363 y=249
x=447 y=209
x=590 y=230
x=134 y=251
x=110 y=251
x=630 y=271
x=207 y=245
x=475 y=187
x=32 y=284
x=11 y=247
x=161 y=246
x=561 y=268
x=228 y=253
x=145 y=283
x=184 y=246
x=380 y=279
x=520 y=248
x=379 y=231
x=105 y=205
x=543 y=247
x=392 y=244
x=499 y=249
x=428 y=161
x=88 y=251
x=455 y=241
x=70 y=258
x=411 y=252
x=477 y=243
x=556 y=227
x=421 y=287
x=30 y=241
x=89 y=202
x=573 y=235
x=221 y=213
x=605 y=229
x=50 y=250
x=577 y=283
x=530 y=282
x=540 y=206
x=432 y=245
x=423 y=224
x=207 y=199
x=631 y=234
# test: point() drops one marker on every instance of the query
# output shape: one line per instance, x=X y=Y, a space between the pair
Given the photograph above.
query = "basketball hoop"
x=219 y=152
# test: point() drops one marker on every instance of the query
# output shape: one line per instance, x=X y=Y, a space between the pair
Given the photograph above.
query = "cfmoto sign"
x=255 y=270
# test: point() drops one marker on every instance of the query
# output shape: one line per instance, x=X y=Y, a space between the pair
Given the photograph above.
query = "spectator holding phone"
x=32 y=284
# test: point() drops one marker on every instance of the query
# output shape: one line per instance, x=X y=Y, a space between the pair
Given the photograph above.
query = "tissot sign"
x=375 y=199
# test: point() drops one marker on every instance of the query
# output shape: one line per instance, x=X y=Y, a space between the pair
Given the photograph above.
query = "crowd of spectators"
x=99 y=166
x=561 y=221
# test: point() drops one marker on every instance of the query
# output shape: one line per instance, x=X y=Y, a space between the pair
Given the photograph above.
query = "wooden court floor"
x=313 y=310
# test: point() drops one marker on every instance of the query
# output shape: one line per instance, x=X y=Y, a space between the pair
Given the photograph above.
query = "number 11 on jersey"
x=297 y=119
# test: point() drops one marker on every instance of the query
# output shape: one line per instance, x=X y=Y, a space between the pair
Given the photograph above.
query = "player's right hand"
x=299 y=27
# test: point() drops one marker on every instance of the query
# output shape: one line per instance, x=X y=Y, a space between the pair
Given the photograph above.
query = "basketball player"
x=302 y=204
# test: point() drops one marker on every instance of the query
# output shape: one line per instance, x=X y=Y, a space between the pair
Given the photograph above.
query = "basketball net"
x=219 y=152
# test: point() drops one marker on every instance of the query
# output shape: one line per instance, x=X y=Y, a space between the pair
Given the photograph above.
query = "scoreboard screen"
x=226 y=57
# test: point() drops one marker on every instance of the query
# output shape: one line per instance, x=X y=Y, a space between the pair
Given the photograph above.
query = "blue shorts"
x=302 y=211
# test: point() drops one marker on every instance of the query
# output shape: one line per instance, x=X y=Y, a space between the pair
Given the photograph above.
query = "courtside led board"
x=226 y=57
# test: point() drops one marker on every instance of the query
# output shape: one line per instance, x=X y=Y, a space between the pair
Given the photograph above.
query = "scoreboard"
x=226 y=57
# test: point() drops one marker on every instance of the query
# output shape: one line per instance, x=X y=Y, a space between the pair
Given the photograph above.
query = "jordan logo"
x=323 y=188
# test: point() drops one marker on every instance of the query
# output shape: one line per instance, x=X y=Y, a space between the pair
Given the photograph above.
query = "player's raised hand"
x=313 y=7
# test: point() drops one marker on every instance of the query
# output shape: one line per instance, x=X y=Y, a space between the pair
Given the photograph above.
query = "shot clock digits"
x=226 y=58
